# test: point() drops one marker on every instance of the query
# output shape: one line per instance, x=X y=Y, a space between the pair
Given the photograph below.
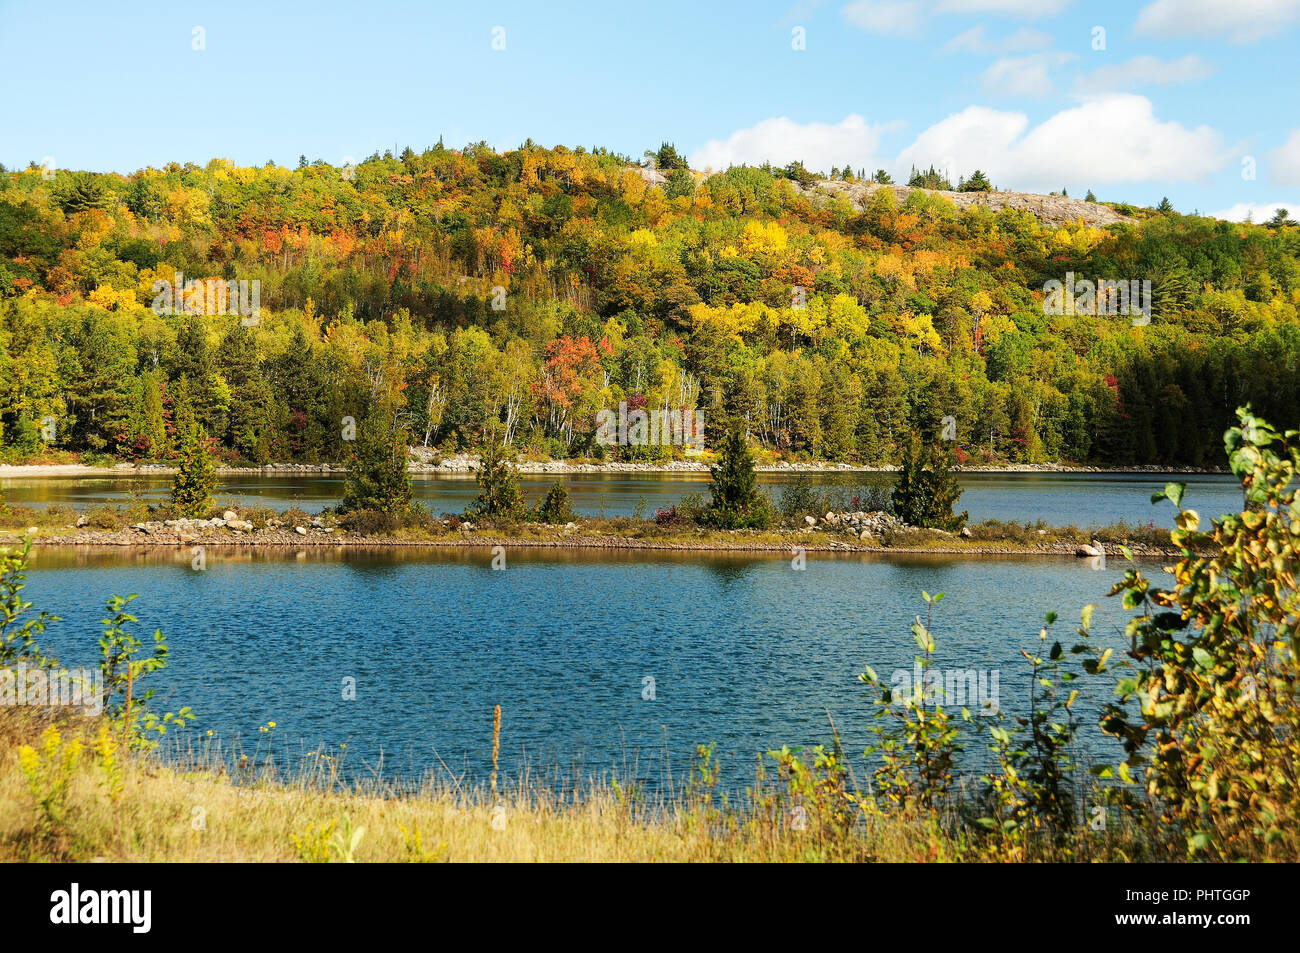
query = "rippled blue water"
x=744 y=650
x=1081 y=499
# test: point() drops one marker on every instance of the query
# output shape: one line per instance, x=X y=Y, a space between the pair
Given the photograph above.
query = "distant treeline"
x=522 y=293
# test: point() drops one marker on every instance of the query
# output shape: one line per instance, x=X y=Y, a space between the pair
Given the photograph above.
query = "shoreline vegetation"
x=1203 y=702
x=468 y=464
x=377 y=511
x=847 y=532
x=262 y=806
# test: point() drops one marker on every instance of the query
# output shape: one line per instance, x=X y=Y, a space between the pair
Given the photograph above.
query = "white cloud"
x=1024 y=8
x=1112 y=139
x=1284 y=161
x=884 y=16
x=974 y=41
x=1143 y=71
x=819 y=146
x=1242 y=21
x=1255 y=212
x=1109 y=140
x=1024 y=75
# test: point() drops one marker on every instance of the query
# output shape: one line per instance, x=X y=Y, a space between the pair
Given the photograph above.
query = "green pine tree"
x=555 y=506
x=927 y=489
x=736 y=501
x=498 y=483
x=377 y=474
x=196 y=476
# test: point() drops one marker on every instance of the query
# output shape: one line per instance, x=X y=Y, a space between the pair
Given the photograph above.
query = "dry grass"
x=198 y=812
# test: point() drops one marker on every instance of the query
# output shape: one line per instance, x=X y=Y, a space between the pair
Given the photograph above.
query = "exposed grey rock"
x=1055 y=210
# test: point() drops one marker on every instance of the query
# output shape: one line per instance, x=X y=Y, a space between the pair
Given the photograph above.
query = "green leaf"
x=1175 y=492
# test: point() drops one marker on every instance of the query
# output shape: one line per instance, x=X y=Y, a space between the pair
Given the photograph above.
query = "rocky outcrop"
x=1055 y=210
x=859 y=525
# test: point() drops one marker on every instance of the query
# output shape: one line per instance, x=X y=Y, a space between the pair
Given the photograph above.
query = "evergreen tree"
x=555 y=507
x=927 y=489
x=377 y=474
x=837 y=433
x=498 y=483
x=736 y=502
x=196 y=476
x=667 y=159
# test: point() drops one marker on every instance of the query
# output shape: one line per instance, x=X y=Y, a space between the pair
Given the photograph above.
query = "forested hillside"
x=521 y=293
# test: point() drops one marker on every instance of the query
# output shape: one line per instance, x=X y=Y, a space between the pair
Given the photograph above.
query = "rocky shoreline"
x=466 y=464
x=858 y=532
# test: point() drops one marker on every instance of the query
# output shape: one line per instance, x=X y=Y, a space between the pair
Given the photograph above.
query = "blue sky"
x=1180 y=94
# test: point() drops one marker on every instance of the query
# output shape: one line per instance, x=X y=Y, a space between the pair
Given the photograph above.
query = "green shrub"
x=555 y=507
x=927 y=489
x=499 y=494
x=1214 y=664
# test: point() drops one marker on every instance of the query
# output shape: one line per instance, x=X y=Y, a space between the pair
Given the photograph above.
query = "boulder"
x=229 y=515
x=300 y=530
x=810 y=520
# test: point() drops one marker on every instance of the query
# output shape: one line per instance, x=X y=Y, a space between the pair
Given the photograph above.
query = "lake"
x=1059 y=499
x=744 y=650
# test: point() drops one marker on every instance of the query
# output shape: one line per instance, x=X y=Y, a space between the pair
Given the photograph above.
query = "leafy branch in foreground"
x=1213 y=662
x=920 y=740
x=123 y=703
x=18 y=640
